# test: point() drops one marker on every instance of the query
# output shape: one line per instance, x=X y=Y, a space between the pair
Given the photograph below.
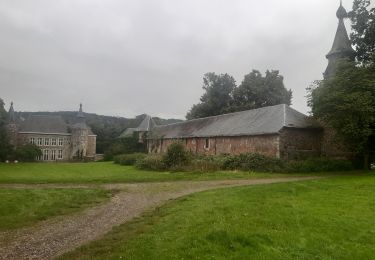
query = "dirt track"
x=59 y=235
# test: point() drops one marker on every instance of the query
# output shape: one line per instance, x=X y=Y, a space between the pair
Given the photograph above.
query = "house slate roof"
x=266 y=120
x=44 y=124
x=146 y=125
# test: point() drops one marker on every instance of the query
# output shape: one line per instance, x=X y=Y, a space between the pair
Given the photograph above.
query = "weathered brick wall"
x=263 y=144
x=300 y=143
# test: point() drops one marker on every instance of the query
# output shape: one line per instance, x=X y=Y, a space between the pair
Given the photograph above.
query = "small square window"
x=207 y=143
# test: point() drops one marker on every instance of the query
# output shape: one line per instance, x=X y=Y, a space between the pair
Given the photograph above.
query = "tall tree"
x=4 y=141
x=257 y=91
x=363 y=30
x=346 y=102
x=217 y=97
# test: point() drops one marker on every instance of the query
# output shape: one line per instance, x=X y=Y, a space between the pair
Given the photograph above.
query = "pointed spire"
x=12 y=117
x=80 y=112
x=341 y=48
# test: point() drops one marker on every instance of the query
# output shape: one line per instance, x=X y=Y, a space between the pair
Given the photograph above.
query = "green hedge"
x=253 y=162
x=151 y=162
x=128 y=159
x=318 y=165
x=177 y=159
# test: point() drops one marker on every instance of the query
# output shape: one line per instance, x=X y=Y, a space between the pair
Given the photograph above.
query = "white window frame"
x=46 y=141
x=32 y=140
x=40 y=141
x=53 y=142
x=60 y=142
x=60 y=154
x=53 y=155
x=45 y=155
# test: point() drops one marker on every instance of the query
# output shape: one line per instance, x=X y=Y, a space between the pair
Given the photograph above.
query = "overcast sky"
x=128 y=57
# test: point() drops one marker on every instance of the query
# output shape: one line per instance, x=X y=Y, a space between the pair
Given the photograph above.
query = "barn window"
x=207 y=143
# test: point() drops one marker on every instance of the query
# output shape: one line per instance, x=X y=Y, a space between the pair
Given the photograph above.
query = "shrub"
x=151 y=162
x=128 y=159
x=318 y=165
x=252 y=162
x=176 y=156
x=207 y=163
x=27 y=153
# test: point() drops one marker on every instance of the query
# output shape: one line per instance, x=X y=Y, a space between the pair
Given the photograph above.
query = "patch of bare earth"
x=59 y=235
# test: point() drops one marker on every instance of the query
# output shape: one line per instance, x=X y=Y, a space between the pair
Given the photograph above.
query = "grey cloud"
x=148 y=56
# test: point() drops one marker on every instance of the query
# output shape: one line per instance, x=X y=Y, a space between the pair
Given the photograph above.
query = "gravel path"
x=59 y=235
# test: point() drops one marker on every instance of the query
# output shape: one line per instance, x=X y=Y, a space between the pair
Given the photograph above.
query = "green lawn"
x=23 y=207
x=322 y=219
x=104 y=172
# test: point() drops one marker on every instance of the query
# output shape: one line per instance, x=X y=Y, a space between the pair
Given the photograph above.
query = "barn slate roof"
x=44 y=124
x=261 y=121
x=146 y=125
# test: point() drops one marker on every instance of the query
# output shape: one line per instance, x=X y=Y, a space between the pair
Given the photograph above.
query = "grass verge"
x=320 y=219
x=106 y=172
x=24 y=207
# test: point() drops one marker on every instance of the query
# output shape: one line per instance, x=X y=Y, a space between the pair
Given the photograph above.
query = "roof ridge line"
x=196 y=119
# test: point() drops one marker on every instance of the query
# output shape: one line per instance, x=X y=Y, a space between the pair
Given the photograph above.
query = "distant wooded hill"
x=107 y=128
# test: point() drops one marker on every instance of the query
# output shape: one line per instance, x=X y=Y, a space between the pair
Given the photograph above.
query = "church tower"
x=341 y=48
x=12 y=126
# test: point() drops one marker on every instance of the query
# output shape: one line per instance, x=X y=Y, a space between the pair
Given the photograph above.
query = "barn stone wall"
x=333 y=148
x=263 y=144
x=300 y=143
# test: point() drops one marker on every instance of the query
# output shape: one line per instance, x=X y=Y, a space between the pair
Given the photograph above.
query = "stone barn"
x=277 y=131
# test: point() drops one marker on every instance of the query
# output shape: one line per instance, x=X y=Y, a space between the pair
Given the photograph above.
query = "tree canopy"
x=258 y=91
x=217 y=97
x=223 y=96
x=363 y=30
x=346 y=102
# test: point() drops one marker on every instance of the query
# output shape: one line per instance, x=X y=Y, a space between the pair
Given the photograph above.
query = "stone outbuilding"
x=277 y=131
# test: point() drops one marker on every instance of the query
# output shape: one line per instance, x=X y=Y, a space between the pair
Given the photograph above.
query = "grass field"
x=322 y=219
x=23 y=207
x=104 y=172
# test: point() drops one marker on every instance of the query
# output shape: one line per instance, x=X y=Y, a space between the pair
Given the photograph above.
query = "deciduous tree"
x=217 y=97
x=257 y=91
x=346 y=102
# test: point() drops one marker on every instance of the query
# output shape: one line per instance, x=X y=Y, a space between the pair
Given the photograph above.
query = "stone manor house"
x=58 y=140
x=277 y=131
